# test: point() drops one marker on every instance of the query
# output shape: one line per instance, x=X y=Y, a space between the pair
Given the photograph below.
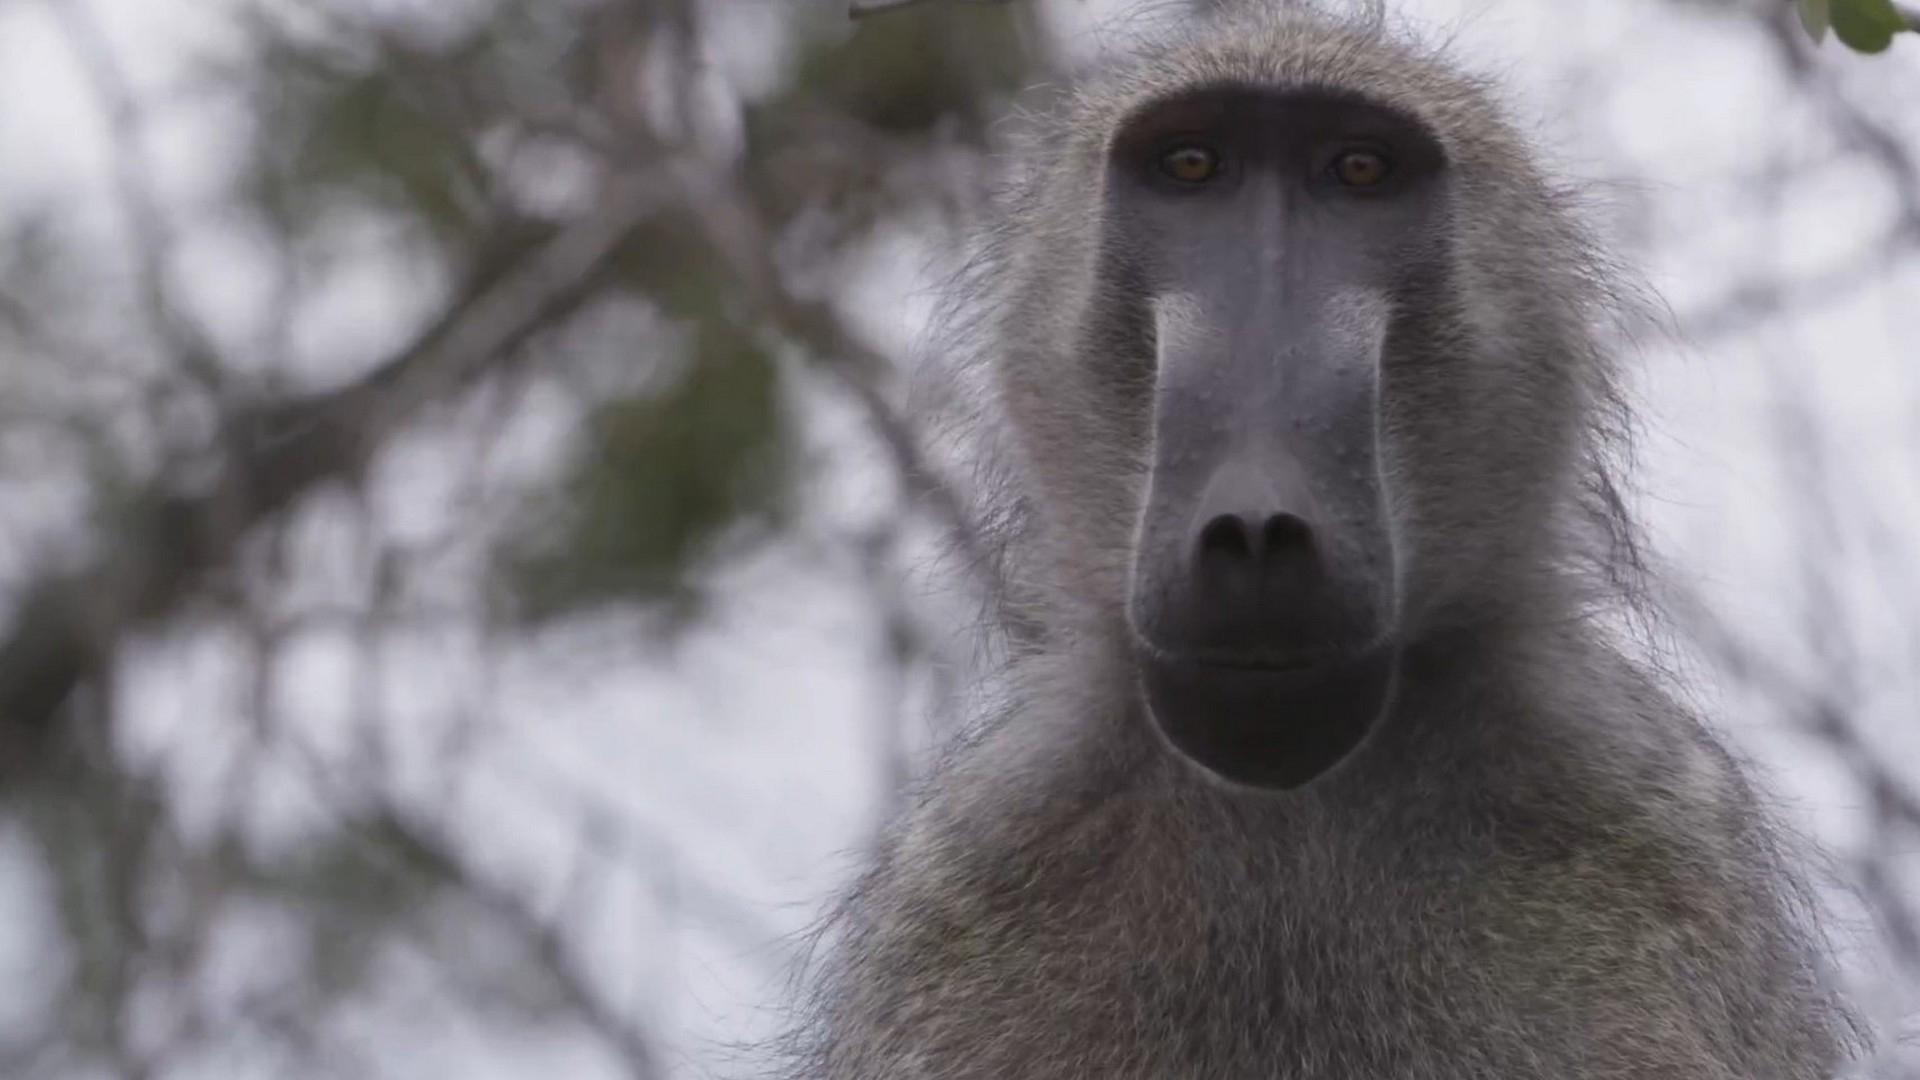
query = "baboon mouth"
x=1253 y=662
x=1264 y=723
x=1276 y=664
x=1262 y=676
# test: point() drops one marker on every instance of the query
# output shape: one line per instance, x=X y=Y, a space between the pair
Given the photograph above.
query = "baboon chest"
x=1163 y=961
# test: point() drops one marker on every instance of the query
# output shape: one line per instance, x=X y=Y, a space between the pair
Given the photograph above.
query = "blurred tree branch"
x=410 y=134
x=390 y=829
x=171 y=540
x=1768 y=296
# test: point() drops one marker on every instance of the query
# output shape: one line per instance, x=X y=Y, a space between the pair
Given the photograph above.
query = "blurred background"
x=469 y=586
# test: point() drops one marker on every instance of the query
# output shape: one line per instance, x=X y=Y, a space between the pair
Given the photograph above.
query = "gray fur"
x=1541 y=865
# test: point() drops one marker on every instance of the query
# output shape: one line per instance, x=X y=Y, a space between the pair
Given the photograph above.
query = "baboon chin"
x=1314 y=756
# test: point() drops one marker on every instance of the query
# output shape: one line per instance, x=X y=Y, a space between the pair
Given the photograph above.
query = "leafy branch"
x=1866 y=26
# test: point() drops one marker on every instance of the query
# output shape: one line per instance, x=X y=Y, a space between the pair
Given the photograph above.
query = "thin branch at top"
x=860 y=9
x=148 y=234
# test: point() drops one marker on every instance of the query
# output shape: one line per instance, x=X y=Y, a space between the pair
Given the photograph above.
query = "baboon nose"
x=1234 y=539
x=1253 y=520
x=1255 y=574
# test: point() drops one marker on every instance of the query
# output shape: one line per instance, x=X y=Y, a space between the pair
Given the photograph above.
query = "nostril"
x=1226 y=535
x=1286 y=534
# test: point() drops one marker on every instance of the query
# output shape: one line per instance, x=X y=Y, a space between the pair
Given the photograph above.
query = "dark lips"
x=1263 y=723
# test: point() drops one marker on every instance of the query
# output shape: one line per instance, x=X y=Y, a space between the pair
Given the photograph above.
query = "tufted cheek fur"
x=1081 y=418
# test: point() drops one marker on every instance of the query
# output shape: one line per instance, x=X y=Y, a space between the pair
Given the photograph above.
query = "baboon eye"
x=1190 y=163
x=1361 y=168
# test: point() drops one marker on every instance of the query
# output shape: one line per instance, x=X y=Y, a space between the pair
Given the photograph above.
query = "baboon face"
x=1278 y=239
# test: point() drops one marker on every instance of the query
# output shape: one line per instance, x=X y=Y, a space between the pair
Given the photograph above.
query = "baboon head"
x=1305 y=379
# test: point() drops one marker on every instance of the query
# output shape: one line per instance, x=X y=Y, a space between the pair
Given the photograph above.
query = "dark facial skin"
x=1274 y=234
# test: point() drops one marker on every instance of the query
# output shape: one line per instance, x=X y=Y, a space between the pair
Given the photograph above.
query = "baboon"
x=1320 y=751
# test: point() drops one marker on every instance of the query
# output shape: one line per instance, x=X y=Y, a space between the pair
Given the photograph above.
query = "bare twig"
x=860 y=9
x=1861 y=129
x=1740 y=306
x=1750 y=303
x=422 y=849
x=416 y=846
x=149 y=235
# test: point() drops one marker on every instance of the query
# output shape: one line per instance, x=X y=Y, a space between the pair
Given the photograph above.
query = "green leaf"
x=1866 y=26
x=1816 y=17
x=661 y=486
x=374 y=133
x=916 y=67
